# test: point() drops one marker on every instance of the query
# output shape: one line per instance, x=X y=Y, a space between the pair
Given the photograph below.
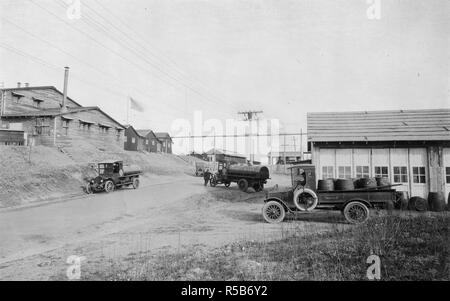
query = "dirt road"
x=165 y=213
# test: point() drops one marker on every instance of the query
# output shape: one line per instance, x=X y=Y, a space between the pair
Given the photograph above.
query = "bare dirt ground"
x=168 y=213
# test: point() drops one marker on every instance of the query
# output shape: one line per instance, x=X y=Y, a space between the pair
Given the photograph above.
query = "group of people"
x=207 y=176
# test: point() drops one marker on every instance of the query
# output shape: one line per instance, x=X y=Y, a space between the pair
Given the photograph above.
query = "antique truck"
x=245 y=176
x=113 y=175
x=304 y=197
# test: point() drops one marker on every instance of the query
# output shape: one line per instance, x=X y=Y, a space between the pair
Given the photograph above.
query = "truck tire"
x=273 y=212
x=243 y=185
x=305 y=199
x=109 y=186
x=213 y=182
x=356 y=212
x=135 y=183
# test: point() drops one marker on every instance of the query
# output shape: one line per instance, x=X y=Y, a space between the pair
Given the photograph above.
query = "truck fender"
x=365 y=202
x=281 y=202
x=299 y=191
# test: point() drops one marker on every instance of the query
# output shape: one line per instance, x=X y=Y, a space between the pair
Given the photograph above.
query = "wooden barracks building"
x=48 y=117
x=411 y=148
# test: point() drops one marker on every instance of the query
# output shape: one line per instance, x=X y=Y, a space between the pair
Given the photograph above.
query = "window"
x=133 y=140
x=344 y=172
x=419 y=174
x=400 y=174
x=153 y=142
x=146 y=142
x=362 y=171
x=381 y=172
x=327 y=172
x=447 y=175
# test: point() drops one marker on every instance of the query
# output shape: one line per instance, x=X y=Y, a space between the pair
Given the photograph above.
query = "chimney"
x=27 y=85
x=19 y=84
x=66 y=80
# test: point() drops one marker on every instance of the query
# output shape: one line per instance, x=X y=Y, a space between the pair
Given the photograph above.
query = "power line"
x=139 y=55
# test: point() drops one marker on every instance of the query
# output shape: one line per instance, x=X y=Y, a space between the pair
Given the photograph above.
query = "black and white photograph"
x=224 y=146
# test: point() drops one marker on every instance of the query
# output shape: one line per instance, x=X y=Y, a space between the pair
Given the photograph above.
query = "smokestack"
x=27 y=85
x=66 y=80
x=19 y=84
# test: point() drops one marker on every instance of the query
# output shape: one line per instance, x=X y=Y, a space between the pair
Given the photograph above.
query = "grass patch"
x=410 y=248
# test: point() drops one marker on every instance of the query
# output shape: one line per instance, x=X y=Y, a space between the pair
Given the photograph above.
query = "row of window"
x=400 y=173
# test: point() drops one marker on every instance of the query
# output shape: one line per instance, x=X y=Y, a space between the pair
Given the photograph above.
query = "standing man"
x=206 y=176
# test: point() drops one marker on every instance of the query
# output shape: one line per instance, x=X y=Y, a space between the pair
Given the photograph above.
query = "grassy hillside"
x=42 y=173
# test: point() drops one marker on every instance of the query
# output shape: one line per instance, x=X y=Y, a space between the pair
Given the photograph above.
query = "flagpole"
x=128 y=110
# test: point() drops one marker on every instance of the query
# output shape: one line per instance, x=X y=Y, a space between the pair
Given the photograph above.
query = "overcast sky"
x=286 y=58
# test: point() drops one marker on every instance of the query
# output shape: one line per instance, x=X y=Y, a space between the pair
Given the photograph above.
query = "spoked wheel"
x=109 y=186
x=136 y=183
x=243 y=185
x=356 y=212
x=88 y=188
x=273 y=212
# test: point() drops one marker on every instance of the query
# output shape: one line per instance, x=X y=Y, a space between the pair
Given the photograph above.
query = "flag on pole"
x=135 y=105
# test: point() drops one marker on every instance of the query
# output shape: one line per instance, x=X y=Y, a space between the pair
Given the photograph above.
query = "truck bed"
x=375 y=196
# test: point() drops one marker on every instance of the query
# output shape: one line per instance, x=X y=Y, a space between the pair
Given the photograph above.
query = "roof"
x=135 y=131
x=57 y=112
x=215 y=151
x=145 y=132
x=399 y=125
x=162 y=135
x=39 y=88
x=288 y=154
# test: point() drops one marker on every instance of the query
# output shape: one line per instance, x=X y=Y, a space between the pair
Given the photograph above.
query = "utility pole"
x=250 y=116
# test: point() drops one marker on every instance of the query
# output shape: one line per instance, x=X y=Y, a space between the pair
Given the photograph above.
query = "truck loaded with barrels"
x=113 y=175
x=354 y=198
x=245 y=176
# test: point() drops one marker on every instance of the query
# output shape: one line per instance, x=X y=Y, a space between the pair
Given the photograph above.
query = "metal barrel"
x=382 y=181
x=418 y=204
x=436 y=201
x=366 y=183
x=344 y=184
x=326 y=185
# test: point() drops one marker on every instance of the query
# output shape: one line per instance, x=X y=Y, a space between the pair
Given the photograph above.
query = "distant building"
x=45 y=120
x=152 y=143
x=290 y=157
x=224 y=156
x=133 y=140
x=166 y=142
x=410 y=148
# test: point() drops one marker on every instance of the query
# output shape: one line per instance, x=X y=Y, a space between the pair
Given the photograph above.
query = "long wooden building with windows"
x=410 y=147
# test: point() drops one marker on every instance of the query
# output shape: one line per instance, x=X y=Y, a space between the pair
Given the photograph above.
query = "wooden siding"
x=50 y=99
x=413 y=125
x=40 y=130
x=133 y=141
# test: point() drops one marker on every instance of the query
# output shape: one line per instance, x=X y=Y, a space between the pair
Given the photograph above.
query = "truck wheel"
x=243 y=185
x=305 y=200
x=109 y=186
x=135 y=183
x=88 y=188
x=273 y=212
x=213 y=182
x=356 y=212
